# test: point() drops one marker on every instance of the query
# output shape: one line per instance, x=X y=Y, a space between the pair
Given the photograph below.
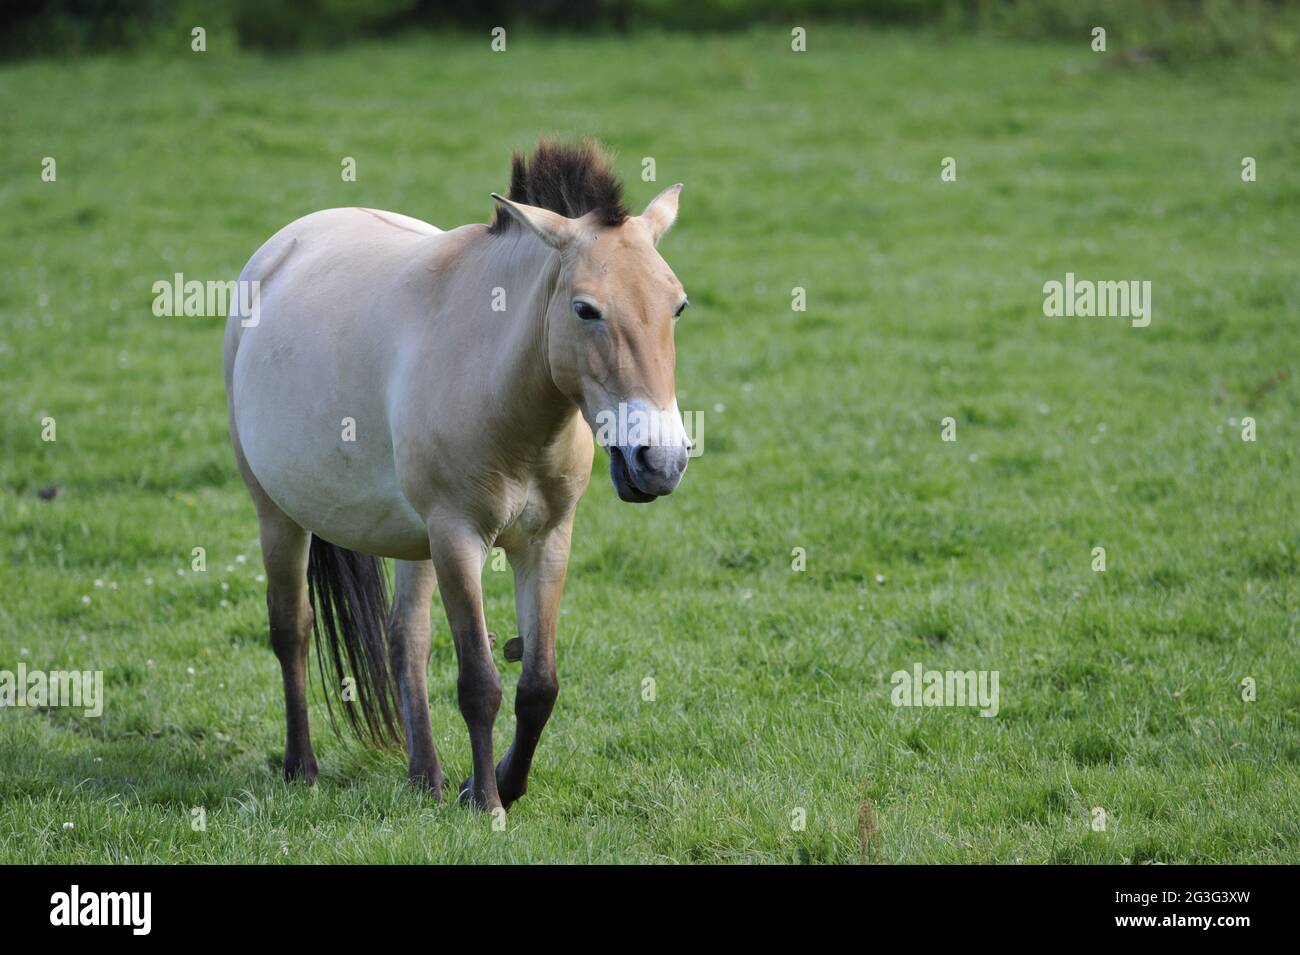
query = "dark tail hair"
x=349 y=597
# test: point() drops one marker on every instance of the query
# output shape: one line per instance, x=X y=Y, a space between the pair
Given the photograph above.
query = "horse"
x=403 y=392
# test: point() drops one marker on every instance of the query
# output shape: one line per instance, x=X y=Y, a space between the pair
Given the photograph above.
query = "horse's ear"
x=660 y=215
x=552 y=228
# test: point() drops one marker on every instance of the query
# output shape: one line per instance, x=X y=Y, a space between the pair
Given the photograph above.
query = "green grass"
x=822 y=430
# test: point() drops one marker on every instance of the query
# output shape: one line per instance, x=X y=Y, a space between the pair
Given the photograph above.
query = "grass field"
x=1119 y=690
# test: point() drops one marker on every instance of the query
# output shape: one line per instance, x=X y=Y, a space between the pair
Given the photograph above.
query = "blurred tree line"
x=1160 y=29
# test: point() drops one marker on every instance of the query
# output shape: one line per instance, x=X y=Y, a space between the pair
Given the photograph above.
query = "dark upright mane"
x=571 y=179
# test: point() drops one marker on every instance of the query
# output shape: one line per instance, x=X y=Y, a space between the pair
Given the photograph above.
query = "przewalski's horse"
x=411 y=393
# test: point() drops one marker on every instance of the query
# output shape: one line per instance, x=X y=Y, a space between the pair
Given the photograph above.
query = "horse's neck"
x=526 y=270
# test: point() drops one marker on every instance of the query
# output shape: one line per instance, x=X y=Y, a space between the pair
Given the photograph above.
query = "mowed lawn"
x=1120 y=691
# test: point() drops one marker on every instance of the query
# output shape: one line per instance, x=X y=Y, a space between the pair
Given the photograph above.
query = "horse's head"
x=610 y=325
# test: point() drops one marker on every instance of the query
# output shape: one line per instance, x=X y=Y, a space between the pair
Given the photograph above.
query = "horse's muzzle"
x=642 y=474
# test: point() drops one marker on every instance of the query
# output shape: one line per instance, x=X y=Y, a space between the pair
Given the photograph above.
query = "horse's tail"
x=349 y=598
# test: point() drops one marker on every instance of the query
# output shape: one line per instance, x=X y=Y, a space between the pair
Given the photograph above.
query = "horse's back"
x=348 y=228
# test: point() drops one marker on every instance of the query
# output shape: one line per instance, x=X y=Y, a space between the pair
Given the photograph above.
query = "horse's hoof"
x=304 y=769
x=469 y=798
x=430 y=782
x=505 y=784
x=514 y=649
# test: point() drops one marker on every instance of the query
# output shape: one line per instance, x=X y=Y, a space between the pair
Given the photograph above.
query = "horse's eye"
x=680 y=308
x=586 y=311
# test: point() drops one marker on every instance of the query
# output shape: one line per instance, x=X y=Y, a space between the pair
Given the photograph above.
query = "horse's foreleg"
x=409 y=647
x=458 y=560
x=539 y=584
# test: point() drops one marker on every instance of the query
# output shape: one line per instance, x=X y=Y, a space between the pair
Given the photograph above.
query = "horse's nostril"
x=652 y=469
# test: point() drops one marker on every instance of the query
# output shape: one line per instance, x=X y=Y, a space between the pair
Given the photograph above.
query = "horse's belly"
x=324 y=455
x=343 y=494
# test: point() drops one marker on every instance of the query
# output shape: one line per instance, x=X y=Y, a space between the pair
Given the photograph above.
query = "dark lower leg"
x=534 y=700
x=479 y=691
x=539 y=585
x=290 y=617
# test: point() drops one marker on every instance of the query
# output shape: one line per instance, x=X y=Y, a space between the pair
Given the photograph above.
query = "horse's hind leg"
x=409 y=636
x=284 y=553
x=285 y=548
